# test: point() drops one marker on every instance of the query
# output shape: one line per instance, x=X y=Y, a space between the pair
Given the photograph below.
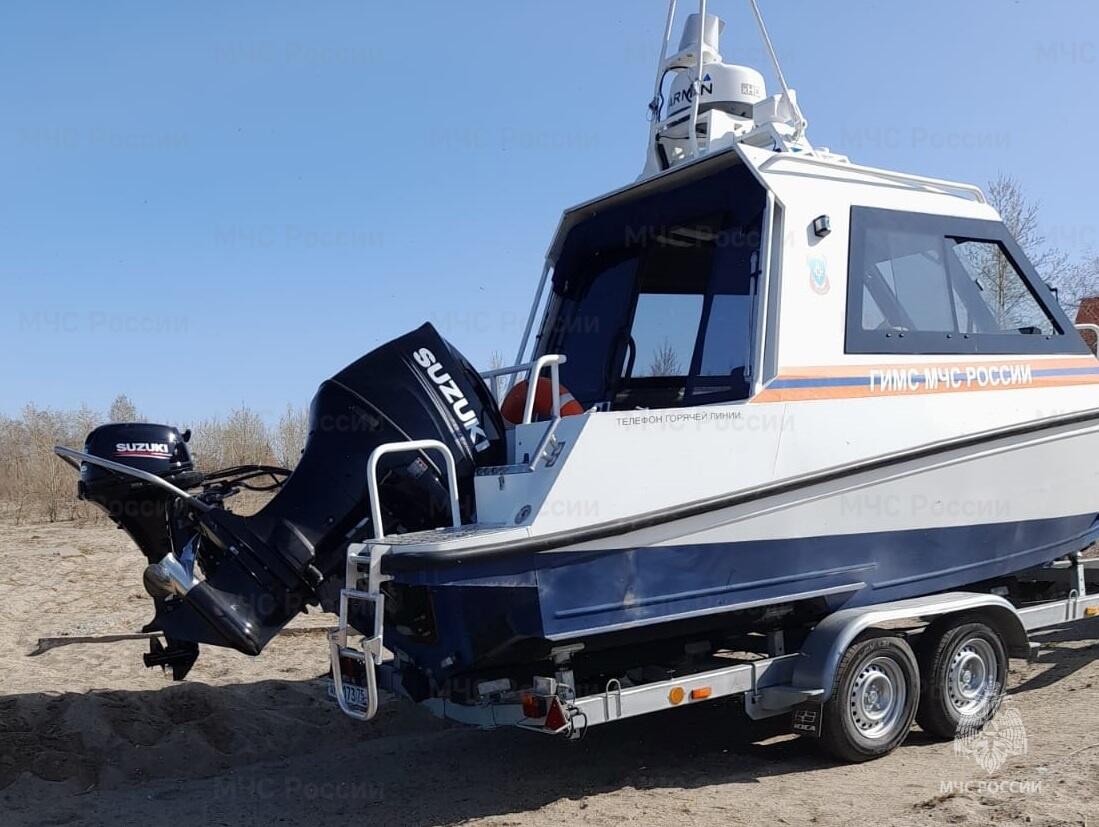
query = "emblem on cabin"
x=818 y=275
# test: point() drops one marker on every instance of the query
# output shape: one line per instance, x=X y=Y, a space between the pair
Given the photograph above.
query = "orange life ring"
x=512 y=407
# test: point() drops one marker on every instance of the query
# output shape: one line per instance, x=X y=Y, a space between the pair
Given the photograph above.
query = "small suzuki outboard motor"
x=229 y=580
x=142 y=508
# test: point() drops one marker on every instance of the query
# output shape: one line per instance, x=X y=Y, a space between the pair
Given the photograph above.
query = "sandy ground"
x=87 y=734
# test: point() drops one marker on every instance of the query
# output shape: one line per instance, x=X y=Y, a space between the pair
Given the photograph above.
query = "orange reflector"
x=701 y=694
x=555 y=717
x=1091 y=611
x=677 y=695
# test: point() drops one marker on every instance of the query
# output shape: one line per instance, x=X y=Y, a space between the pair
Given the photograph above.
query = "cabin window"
x=727 y=345
x=930 y=284
x=669 y=324
x=591 y=323
x=654 y=297
x=992 y=282
x=689 y=339
x=665 y=326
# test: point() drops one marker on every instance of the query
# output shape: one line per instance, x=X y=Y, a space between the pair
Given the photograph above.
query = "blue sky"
x=206 y=204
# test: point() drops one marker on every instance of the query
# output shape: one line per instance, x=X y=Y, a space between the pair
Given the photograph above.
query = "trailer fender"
x=815 y=672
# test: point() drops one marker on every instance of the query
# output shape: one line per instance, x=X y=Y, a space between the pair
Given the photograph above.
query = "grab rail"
x=942 y=186
x=76 y=457
x=547 y=266
x=534 y=369
x=1085 y=327
x=403 y=447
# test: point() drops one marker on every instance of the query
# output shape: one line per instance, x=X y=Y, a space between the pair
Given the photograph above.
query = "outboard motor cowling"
x=138 y=507
x=414 y=387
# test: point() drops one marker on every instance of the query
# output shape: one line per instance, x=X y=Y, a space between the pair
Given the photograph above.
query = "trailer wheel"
x=873 y=699
x=964 y=668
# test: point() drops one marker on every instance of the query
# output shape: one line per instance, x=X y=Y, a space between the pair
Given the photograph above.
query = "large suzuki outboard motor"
x=229 y=580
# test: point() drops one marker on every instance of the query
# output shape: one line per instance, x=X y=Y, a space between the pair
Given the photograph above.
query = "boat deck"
x=452 y=537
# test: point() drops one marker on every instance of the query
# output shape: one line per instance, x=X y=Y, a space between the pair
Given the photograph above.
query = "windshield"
x=653 y=302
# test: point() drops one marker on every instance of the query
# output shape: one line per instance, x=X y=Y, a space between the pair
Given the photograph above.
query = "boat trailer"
x=798 y=683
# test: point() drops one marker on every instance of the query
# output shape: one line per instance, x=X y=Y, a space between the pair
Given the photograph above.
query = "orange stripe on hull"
x=817 y=383
x=830 y=371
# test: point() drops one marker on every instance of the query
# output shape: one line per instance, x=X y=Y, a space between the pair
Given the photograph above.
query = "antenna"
x=657 y=103
x=803 y=124
x=710 y=103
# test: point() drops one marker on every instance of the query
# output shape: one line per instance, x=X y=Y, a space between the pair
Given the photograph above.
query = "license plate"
x=353 y=675
x=354 y=695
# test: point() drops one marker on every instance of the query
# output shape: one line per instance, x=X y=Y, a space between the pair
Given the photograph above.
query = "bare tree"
x=1073 y=281
x=996 y=276
x=290 y=435
x=34 y=484
x=1082 y=282
x=495 y=362
x=123 y=410
x=242 y=439
x=665 y=361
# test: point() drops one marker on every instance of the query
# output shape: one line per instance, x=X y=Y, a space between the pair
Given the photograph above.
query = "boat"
x=759 y=385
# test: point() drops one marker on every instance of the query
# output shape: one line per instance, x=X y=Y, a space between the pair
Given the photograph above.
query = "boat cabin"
x=672 y=293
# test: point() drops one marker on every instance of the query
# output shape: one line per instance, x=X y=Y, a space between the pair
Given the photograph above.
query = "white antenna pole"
x=803 y=124
x=656 y=104
x=697 y=83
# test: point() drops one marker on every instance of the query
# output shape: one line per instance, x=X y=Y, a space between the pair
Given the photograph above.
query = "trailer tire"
x=873 y=700
x=963 y=666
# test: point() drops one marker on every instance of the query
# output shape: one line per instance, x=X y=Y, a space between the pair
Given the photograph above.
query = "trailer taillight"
x=535 y=706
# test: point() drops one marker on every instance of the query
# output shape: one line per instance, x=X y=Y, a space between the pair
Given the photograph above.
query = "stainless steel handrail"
x=534 y=370
x=403 y=447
